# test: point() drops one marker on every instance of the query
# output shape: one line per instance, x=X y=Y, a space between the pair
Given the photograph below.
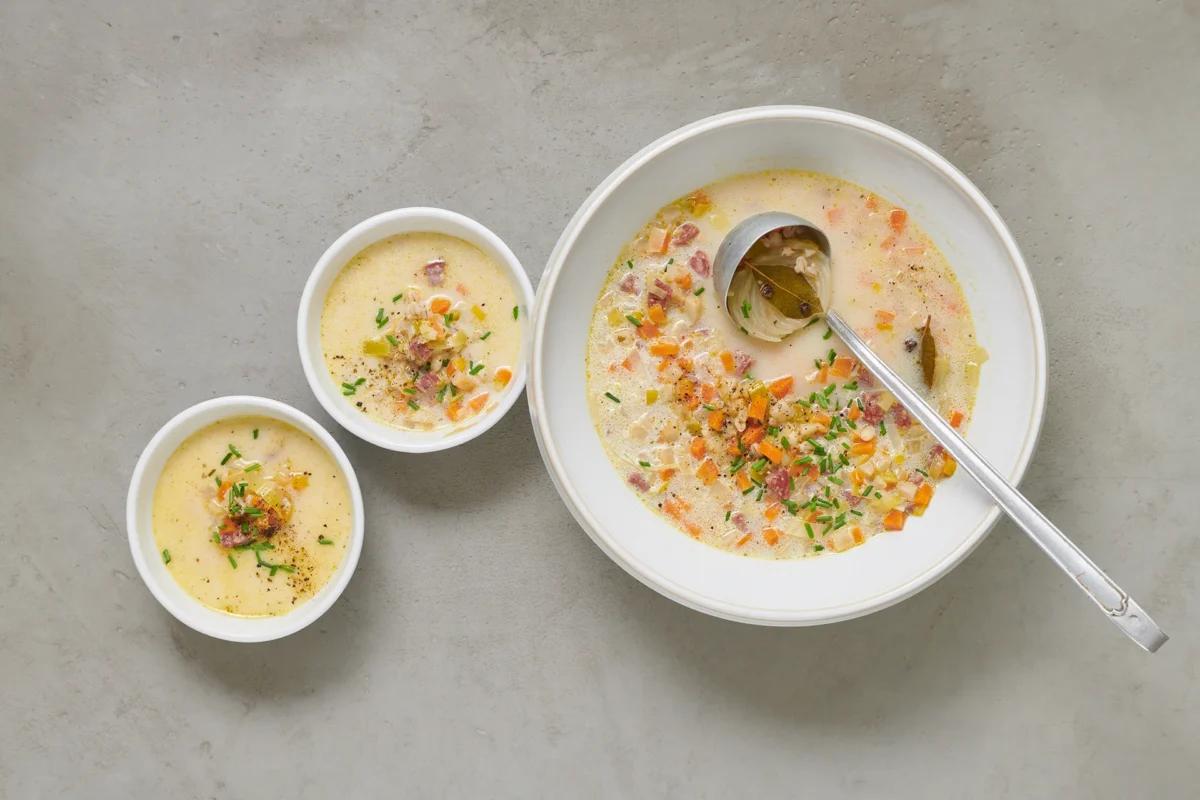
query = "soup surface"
x=252 y=516
x=422 y=331
x=779 y=449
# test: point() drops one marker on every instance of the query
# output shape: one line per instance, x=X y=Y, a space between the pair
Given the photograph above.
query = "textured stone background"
x=169 y=172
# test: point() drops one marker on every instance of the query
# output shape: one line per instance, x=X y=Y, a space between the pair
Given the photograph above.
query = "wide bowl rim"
x=548 y=448
x=308 y=318
x=207 y=620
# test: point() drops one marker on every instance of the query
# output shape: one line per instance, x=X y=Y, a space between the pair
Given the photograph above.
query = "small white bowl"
x=308 y=325
x=939 y=198
x=166 y=590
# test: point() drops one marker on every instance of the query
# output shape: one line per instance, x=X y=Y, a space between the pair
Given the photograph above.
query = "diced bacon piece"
x=700 y=264
x=685 y=233
x=427 y=382
x=435 y=272
x=739 y=521
x=660 y=293
x=779 y=483
x=901 y=417
x=872 y=412
x=232 y=535
x=742 y=362
x=630 y=284
x=419 y=350
x=638 y=481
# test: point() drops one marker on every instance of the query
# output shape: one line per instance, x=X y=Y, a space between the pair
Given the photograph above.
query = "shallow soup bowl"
x=146 y=555
x=1008 y=410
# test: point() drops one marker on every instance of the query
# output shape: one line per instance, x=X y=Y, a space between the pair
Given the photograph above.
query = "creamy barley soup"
x=778 y=449
x=422 y=331
x=252 y=516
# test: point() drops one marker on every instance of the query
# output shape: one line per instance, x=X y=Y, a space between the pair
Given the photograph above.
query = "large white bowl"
x=138 y=520
x=417 y=219
x=946 y=205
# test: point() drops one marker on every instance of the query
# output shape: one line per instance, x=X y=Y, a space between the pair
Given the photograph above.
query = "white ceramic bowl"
x=308 y=325
x=946 y=205
x=139 y=504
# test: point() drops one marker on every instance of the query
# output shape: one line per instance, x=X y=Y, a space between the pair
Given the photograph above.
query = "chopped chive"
x=225 y=461
x=808 y=529
x=254 y=433
x=818 y=547
x=832 y=356
x=218 y=480
x=414 y=405
x=699 y=291
x=629 y=264
x=923 y=472
x=253 y=467
x=399 y=296
x=828 y=333
x=835 y=479
x=516 y=311
x=441 y=393
x=746 y=309
x=867 y=491
x=392 y=340
x=645 y=464
x=232 y=561
x=322 y=540
x=783 y=440
x=727 y=515
x=748 y=491
x=882 y=428
x=829 y=389
x=637 y=323
x=475 y=370
x=856 y=512
x=851 y=386
x=380 y=318
x=166 y=556
x=612 y=397
x=485 y=335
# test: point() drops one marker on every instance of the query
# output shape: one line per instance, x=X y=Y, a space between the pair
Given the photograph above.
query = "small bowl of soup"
x=412 y=329
x=245 y=518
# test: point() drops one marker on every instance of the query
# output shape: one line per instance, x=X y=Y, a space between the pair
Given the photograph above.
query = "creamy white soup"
x=252 y=516
x=422 y=331
x=779 y=449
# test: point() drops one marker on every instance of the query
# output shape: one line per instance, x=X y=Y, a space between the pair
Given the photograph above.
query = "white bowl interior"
x=350 y=244
x=939 y=199
x=145 y=551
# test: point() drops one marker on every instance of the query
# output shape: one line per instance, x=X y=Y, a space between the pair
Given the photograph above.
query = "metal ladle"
x=1120 y=607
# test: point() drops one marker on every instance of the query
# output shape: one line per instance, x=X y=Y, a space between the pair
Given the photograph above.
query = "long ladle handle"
x=1120 y=607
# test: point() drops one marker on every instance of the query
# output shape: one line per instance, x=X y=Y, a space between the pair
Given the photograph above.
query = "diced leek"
x=377 y=347
x=651 y=396
x=479 y=313
x=459 y=340
x=615 y=317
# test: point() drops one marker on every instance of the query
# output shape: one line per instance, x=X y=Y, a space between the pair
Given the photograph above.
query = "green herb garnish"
x=414 y=405
x=254 y=433
x=699 y=291
x=380 y=318
x=746 y=309
x=166 y=556
x=253 y=467
x=396 y=297
x=516 y=311
x=322 y=540
x=645 y=464
x=828 y=333
x=612 y=397
x=392 y=340
x=232 y=560
x=485 y=335
x=475 y=369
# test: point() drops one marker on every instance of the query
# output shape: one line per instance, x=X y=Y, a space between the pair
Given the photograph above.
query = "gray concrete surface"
x=170 y=172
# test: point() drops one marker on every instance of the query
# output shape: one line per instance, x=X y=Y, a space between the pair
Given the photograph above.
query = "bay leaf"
x=787 y=290
x=928 y=352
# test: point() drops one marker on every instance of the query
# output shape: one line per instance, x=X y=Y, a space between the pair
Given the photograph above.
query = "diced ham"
x=685 y=233
x=700 y=264
x=419 y=350
x=427 y=382
x=739 y=521
x=779 y=483
x=232 y=535
x=872 y=411
x=638 y=481
x=435 y=272
x=660 y=294
x=865 y=378
x=630 y=284
x=741 y=362
x=901 y=417
x=851 y=499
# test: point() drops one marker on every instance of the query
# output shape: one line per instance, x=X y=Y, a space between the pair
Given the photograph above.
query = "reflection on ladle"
x=756 y=253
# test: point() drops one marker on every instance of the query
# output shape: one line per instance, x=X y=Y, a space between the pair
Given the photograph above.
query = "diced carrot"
x=666 y=362
x=772 y=511
x=857 y=533
x=781 y=386
x=842 y=367
x=684 y=280
x=894 y=520
x=685 y=388
x=693 y=529
x=771 y=536
x=223 y=488
x=872 y=202
x=502 y=376
x=666 y=242
x=685 y=363
x=664 y=348
x=647 y=331
x=949 y=467
x=698 y=447
x=478 y=402
x=856 y=478
x=956 y=418
x=834 y=215
x=889 y=243
x=439 y=305
x=884 y=316
x=716 y=420
x=707 y=471
x=743 y=540
x=727 y=361
x=897 y=219
x=454 y=410
x=708 y=392
x=758 y=408
x=742 y=480
x=863 y=448
x=854 y=413
x=822 y=419
x=656 y=314
x=666 y=474
x=924 y=494
x=770 y=451
x=752 y=434
x=672 y=508
x=300 y=481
